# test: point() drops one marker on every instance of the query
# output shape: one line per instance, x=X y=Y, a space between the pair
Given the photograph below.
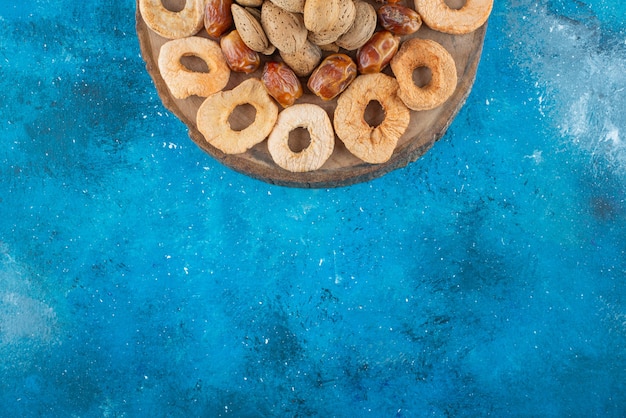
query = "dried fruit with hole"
x=182 y=82
x=281 y=83
x=169 y=24
x=239 y=56
x=377 y=52
x=217 y=17
x=214 y=113
x=322 y=139
x=398 y=19
x=332 y=76
x=417 y=53
x=372 y=144
x=441 y=17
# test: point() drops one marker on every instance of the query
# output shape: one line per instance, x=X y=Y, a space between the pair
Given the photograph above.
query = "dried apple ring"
x=440 y=17
x=214 y=112
x=316 y=121
x=417 y=53
x=372 y=144
x=173 y=25
x=183 y=82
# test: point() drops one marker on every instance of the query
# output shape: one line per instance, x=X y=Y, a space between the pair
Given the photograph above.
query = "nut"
x=362 y=29
x=239 y=56
x=284 y=29
x=217 y=17
x=250 y=3
x=345 y=19
x=304 y=60
x=251 y=30
x=294 y=6
x=321 y=15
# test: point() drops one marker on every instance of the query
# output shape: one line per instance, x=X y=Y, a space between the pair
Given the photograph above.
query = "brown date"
x=332 y=76
x=239 y=56
x=377 y=52
x=217 y=17
x=281 y=83
x=399 y=20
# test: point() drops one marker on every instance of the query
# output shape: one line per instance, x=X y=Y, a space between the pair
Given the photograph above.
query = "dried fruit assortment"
x=336 y=49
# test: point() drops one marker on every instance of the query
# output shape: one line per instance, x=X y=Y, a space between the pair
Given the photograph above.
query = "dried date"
x=377 y=52
x=217 y=17
x=398 y=19
x=332 y=76
x=281 y=83
x=239 y=56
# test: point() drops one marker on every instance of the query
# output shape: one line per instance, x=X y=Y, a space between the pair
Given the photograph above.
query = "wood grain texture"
x=342 y=168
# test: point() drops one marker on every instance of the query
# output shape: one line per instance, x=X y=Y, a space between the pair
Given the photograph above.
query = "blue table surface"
x=140 y=277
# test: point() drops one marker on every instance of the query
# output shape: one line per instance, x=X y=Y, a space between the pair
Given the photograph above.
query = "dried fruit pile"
x=337 y=48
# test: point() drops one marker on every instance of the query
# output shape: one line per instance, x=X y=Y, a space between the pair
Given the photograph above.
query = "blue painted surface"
x=138 y=277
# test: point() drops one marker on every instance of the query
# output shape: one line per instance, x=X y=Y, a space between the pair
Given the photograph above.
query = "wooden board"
x=342 y=168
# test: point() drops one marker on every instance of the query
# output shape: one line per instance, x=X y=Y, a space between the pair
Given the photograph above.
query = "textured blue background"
x=138 y=277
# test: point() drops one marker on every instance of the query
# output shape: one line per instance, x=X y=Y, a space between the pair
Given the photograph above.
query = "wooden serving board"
x=342 y=168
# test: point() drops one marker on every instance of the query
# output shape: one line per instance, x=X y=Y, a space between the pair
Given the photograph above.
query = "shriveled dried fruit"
x=332 y=76
x=239 y=56
x=377 y=52
x=398 y=19
x=281 y=83
x=217 y=17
